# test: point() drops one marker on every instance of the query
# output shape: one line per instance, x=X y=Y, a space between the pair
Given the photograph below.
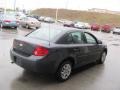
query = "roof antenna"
x=49 y=34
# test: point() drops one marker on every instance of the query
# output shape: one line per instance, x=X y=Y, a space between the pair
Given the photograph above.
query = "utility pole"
x=56 y=15
x=66 y=4
x=14 y=5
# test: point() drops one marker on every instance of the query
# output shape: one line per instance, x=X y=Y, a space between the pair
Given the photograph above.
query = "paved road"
x=91 y=77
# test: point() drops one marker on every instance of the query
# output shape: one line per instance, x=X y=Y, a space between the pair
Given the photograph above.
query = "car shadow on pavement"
x=34 y=81
x=8 y=30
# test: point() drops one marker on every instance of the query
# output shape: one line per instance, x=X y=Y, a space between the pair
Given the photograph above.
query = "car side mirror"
x=99 y=42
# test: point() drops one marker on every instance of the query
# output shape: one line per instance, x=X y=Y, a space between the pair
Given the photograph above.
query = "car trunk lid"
x=25 y=46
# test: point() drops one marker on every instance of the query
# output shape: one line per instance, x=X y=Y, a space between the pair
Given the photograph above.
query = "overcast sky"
x=69 y=4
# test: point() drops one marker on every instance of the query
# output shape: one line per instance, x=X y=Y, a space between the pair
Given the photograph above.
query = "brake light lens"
x=40 y=51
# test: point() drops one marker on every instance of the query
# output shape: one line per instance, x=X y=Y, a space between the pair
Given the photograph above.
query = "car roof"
x=67 y=29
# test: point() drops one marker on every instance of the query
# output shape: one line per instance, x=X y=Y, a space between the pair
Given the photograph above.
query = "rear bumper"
x=116 y=32
x=107 y=31
x=36 y=64
x=9 y=25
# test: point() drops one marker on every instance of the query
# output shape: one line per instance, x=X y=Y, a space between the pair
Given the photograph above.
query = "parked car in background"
x=8 y=21
x=19 y=15
x=68 y=24
x=41 y=18
x=95 y=27
x=34 y=16
x=87 y=26
x=29 y=22
x=79 y=25
x=116 y=30
x=63 y=21
x=47 y=54
x=49 y=20
x=106 y=28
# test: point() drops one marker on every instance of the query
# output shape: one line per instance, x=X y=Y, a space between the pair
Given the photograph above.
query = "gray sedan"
x=57 y=52
x=29 y=22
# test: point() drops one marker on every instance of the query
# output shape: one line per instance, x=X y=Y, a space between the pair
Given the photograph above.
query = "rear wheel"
x=64 y=71
x=103 y=57
x=37 y=27
x=27 y=26
x=15 y=27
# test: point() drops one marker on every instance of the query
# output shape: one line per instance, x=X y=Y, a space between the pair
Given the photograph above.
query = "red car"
x=95 y=27
x=106 y=28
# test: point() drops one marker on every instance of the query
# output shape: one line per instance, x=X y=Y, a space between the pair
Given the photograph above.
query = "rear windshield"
x=5 y=16
x=45 y=34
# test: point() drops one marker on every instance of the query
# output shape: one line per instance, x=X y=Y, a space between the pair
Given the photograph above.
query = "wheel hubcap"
x=103 y=57
x=27 y=26
x=66 y=71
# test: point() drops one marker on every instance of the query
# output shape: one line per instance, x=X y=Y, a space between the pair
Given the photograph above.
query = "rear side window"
x=90 y=39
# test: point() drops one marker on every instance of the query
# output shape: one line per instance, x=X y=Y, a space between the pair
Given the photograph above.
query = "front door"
x=93 y=48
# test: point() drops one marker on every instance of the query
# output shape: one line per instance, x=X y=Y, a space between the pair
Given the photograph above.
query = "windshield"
x=45 y=34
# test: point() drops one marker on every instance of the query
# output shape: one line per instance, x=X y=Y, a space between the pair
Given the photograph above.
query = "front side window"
x=90 y=39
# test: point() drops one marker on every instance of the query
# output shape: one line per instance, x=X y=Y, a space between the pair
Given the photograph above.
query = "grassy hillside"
x=90 y=17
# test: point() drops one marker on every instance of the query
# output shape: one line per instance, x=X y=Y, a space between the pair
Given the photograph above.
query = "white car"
x=49 y=20
x=79 y=25
x=82 y=25
x=116 y=31
x=19 y=15
x=41 y=18
x=87 y=26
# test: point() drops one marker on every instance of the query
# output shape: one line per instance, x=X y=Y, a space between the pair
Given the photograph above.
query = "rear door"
x=93 y=47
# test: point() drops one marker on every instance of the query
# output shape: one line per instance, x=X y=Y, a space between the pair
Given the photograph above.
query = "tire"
x=102 y=58
x=37 y=27
x=64 y=71
x=27 y=26
x=15 y=27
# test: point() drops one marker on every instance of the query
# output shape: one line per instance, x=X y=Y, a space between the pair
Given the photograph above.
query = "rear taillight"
x=40 y=51
x=7 y=21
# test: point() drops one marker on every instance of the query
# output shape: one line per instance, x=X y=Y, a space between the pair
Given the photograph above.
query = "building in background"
x=103 y=11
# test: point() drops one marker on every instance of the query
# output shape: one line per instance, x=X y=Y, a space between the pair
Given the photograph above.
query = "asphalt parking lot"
x=91 y=77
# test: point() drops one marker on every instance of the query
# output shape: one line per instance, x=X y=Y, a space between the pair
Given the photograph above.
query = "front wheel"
x=64 y=71
x=103 y=57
